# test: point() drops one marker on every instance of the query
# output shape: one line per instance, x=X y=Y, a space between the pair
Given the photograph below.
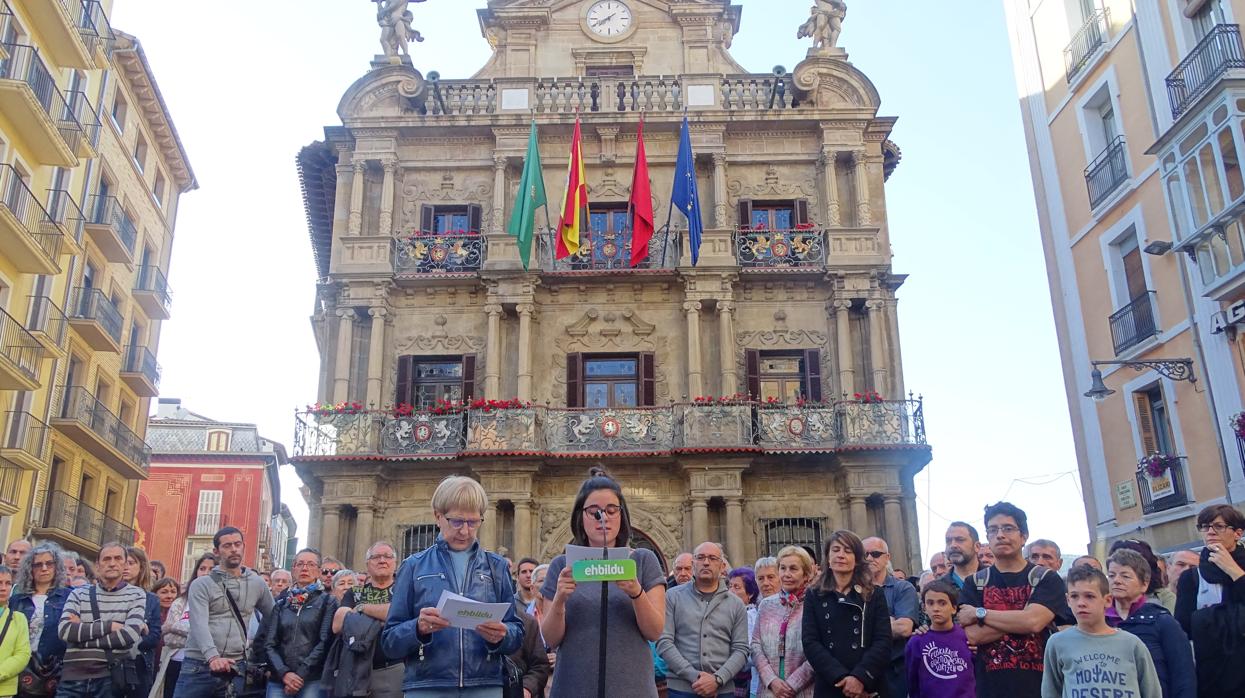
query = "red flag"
x=573 y=218
x=641 y=203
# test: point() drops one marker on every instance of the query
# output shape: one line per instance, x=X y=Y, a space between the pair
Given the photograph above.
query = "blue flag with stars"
x=685 y=197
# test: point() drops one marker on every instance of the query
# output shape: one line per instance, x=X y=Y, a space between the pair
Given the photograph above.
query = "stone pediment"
x=389 y=91
x=831 y=82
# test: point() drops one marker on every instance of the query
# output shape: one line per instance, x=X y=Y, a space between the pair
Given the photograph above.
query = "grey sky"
x=249 y=83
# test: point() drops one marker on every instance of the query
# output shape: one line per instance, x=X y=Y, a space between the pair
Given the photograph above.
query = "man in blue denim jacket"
x=443 y=661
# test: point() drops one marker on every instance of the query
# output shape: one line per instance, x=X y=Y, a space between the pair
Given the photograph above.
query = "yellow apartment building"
x=91 y=171
x=1133 y=116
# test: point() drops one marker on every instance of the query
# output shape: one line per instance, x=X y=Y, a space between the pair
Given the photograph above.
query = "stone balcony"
x=553 y=432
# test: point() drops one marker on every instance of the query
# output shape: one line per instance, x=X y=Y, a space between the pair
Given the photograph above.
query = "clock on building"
x=609 y=20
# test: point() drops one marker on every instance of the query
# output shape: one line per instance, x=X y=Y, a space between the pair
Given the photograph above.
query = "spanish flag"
x=575 y=209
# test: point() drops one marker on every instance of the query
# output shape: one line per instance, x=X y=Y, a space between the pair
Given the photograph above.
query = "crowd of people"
x=990 y=618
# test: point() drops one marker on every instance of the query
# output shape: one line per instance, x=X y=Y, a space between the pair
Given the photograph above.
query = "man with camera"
x=102 y=625
x=220 y=605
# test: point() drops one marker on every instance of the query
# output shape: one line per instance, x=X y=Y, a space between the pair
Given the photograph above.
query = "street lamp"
x=1175 y=369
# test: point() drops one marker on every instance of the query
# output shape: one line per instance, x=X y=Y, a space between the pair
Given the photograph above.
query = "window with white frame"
x=1128 y=272
x=1102 y=124
x=207 y=521
x=1204 y=15
x=195 y=547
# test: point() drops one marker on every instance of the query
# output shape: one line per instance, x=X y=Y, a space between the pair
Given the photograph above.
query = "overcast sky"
x=249 y=83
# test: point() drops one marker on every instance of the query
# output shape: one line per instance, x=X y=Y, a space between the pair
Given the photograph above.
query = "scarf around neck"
x=1211 y=572
x=300 y=595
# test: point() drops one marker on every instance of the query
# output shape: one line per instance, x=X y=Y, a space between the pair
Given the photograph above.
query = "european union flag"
x=685 y=197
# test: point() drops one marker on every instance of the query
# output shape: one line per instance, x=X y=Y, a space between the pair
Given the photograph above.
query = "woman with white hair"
x=343 y=581
x=39 y=593
x=441 y=661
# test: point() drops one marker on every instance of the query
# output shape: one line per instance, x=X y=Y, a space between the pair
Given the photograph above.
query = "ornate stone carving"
x=416 y=190
x=784 y=339
x=824 y=24
x=395 y=27
x=610 y=330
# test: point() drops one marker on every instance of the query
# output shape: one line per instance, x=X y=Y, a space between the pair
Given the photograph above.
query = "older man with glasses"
x=705 y=642
x=372 y=601
x=901 y=600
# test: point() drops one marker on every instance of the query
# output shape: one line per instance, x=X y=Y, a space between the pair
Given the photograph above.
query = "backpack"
x=1036 y=574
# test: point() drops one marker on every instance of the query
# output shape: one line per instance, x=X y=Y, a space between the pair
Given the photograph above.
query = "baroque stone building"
x=422 y=295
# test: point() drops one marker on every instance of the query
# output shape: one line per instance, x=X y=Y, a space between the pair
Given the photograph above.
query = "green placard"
x=604 y=570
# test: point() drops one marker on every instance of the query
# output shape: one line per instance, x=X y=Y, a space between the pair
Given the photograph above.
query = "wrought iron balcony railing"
x=439 y=253
x=1085 y=42
x=92 y=304
x=1217 y=53
x=47 y=320
x=115 y=531
x=138 y=359
x=150 y=279
x=94 y=28
x=780 y=249
x=1167 y=490
x=63 y=210
x=19 y=348
x=1134 y=323
x=607 y=251
x=23 y=63
x=10 y=484
x=653 y=93
x=107 y=210
x=740 y=426
x=79 y=405
x=66 y=514
x=1107 y=172
x=38 y=224
x=84 y=113
x=27 y=436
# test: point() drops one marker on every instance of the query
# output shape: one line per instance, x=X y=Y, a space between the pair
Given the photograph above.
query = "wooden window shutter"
x=1145 y=423
x=406 y=371
x=812 y=375
x=427 y=218
x=801 y=212
x=648 y=379
x=574 y=372
x=752 y=366
x=745 y=212
x=475 y=215
x=469 y=377
x=1134 y=275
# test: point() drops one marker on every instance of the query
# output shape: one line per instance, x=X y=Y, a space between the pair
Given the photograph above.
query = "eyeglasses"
x=708 y=558
x=471 y=524
x=875 y=554
x=1005 y=530
x=381 y=556
x=329 y=572
x=304 y=563
x=608 y=510
x=1217 y=527
x=47 y=565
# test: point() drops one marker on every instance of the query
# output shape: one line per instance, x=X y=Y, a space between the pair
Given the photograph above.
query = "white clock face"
x=609 y=18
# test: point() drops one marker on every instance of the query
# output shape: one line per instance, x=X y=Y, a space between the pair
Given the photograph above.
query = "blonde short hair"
x=459 y=492
x=806 y=560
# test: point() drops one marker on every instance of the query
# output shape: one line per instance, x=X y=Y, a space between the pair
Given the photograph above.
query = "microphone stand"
x=605 y=592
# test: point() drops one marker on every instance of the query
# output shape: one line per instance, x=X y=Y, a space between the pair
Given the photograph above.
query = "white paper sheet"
x=575 y=553
x=463 y=612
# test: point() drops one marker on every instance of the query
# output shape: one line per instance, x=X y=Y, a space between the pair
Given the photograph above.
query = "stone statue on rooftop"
x=824 y=24
x=395 y=26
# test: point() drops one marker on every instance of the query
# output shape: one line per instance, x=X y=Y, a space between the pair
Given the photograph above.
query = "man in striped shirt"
x=112 y=625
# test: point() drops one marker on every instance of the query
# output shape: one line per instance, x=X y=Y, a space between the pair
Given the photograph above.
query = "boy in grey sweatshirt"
x=1094 y=659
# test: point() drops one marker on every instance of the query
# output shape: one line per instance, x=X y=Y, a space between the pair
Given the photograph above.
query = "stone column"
x=526 y=311
x=386 y=197
x=341 y=368
x=522 y=529
x=860 y=516
x=376 y=356
x=695 y=380
x=488 y=529
x=877 y=350
x=341 y=202
x=315 y=518
x=492 y=356
x=726 y=347
x=700 y=522
x=895 y=538
x=896 y=356
x=735 y=530
x=828 y=164
x=499 y=194
x=864 y=210
x=847 y=369
x=356 y=198
x=721 y=216
x=363 y=535
x=330 y=537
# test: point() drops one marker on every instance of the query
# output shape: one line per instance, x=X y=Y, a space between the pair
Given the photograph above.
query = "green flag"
x=531 y=197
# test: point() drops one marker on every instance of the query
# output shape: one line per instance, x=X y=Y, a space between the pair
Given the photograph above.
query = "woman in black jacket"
x=846 y=625
x=300 y=631
x=1210 y=605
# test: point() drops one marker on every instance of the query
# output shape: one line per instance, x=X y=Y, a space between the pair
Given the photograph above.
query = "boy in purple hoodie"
x=939 y=662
